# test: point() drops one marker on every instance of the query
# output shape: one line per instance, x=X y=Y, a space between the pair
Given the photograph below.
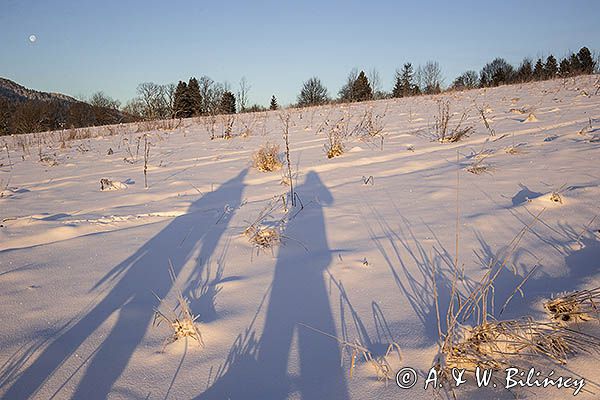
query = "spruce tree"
x=404 y=85
x=181 y=101
x=228 y=103
x=586 y=61
x=362 y=89
x=274 y=105
x=551 y=68
x=408 y=86
x=538 y=70
x=564 y=69
x=195 y=99
x=312 y=93
x=525 y=71
x=575 y=64
x=397 y=90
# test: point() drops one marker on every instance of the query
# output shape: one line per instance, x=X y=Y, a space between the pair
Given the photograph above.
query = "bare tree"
x=346 y=92
x=153 y=98
x=211 y=93
x=169 y=93
x=375 y=82
x=419 y=78
x=243 y=93
x=134 y=107
x=432 y=77
x=100 y=99
x=467 y=80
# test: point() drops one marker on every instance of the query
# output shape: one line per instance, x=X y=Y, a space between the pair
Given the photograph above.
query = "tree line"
x=196 y=97
x=152 y=102
x=500 y=72
x=204 y=96
x=427 y=79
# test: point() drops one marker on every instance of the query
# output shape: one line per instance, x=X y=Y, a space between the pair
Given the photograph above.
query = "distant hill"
x=14 y=92
x=24 y=110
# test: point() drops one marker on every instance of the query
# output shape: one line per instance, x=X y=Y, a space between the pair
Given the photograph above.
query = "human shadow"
x=131 y=289
x=258 y=368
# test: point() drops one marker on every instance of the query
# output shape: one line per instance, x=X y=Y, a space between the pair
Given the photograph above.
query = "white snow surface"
x=80 y=268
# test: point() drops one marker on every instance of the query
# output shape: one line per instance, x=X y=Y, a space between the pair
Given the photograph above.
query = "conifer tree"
x=564 y=68
x=397 y=90
x=274 y=105
x=551 y=68
x=586 y=61
x=525 y=71
x=195 y=99
x=312 y=93
x=227 y=103
x=181 y=101
x=575 y=64
x=404 y=85
x=362 y=89
x=538 y=70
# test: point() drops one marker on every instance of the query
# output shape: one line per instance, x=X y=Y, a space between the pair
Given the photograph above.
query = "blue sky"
x=85 y=46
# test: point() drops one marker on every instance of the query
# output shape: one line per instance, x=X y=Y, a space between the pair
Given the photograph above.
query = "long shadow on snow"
x=131 y=296
x=413 y=266
x=581 y=262
x=258 y=369
x=377 y=344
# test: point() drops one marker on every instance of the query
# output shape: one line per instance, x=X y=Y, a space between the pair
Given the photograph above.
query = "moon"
x=32 y=38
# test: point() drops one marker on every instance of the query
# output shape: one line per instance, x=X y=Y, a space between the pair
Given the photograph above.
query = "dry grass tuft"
x=555 y=197
x=380 y=364
x=479 y=168
x=335 y=150
x=574 y=307
x=513 y=150
x=334 y=146
x=4 y=187
x=531 y=118
x=180 y=319
x=383 y=370
x=442 y=121
x=263 y=237
x=266 y=159
x=498 y=344
x=522 y=110
x=493 y=344
x=107 y=185
x=265 y=231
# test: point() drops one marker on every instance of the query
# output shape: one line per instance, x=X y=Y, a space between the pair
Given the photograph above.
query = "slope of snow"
x=80 y=268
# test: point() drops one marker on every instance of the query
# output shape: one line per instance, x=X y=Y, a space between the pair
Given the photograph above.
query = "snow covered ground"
x=80 y=268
